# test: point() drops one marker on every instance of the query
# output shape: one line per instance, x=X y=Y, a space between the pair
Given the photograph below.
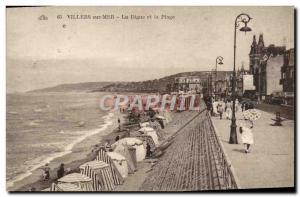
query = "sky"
x=44 y=53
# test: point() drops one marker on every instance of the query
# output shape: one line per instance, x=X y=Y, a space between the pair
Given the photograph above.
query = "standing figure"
x=119 y=123
x=61 y=171
x=228 y=110
x=236 y=105
x=220 y=109
x=247 y=135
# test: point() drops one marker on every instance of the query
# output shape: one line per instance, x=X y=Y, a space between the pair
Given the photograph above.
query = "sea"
x=41 y=127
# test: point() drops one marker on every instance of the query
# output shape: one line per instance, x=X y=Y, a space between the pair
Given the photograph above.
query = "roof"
x=131 y=141
x=116 y=156
x=160 y=117
x=67 y=187
x=94 y=164
x=74 y=177
x=146 y=129
x=144 y=124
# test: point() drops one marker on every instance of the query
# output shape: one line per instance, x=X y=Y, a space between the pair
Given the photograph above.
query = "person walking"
x=243 y=106
x=119 y=123
x=247 y=134
x=228 y=110
x=220 y=109
x=236 y=105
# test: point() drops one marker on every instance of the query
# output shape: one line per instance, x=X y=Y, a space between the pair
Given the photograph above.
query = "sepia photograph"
x=150 y=99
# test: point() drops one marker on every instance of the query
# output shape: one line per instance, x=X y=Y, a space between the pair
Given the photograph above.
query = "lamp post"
x=244 y=18
x=219 y=61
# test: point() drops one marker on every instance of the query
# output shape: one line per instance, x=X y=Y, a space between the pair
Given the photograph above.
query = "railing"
x=225 y=173
x=195 y=161
x=220 y=169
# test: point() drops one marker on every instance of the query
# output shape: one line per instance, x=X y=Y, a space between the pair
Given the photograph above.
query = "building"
x=203 y=82
x=288 y=76
x=223 y=85
x=265 y=66
x=208 y=85
x=188 y=83
x=239 y=81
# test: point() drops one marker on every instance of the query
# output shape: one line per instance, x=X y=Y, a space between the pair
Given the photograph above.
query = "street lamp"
x=219 y=60
x=244 y=18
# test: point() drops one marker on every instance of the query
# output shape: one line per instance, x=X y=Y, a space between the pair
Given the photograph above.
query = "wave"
x=40 y=161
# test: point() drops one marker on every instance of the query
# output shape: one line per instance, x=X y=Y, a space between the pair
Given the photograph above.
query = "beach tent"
x=155 y=125
x=82 y=181
x=64 y=187
x=168 y=117
x=161 y=120
x=145 y=124
x=144 y=130
x=120 y=162
x=135 y=143
x=150 y=132
x=148 y=139
x=129 y=153
x=117 y=177
x=100 y=173
x=160 y=117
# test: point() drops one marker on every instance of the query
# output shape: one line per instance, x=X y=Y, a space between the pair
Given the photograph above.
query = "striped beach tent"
x=53 y=188
x=64 y=187
x=117 y=177
x=82 y=181
x=129 y=153
x=120 y=162
x=100 y=173
x=89 y=172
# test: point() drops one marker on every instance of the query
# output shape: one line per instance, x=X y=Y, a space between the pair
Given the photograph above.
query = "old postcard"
x=185 y=98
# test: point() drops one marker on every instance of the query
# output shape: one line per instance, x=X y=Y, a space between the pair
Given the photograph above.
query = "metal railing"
x=225 y=173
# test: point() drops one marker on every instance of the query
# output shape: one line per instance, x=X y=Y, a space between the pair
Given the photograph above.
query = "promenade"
x=271 y=160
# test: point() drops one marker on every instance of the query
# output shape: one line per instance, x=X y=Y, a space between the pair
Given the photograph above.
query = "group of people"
x=224 y=107
x=46 y=171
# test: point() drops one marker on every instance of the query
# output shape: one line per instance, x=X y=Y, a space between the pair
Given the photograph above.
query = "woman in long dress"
x=228 y=110
x=247 y=135
x=236 y=105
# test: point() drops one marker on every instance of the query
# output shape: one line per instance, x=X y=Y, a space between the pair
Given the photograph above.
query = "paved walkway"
x=271 y=161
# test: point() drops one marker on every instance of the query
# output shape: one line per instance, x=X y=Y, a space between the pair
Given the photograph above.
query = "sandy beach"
x=81 y=152
x=77 y=158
